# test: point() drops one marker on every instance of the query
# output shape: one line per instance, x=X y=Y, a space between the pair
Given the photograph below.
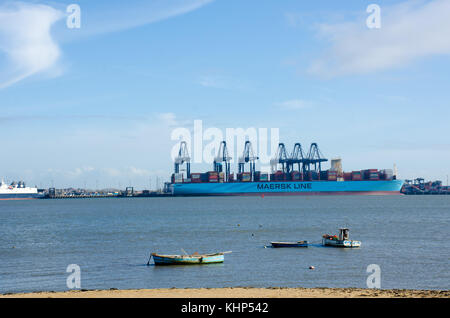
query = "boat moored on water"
x=290 y=244
x=341 y=241
x=192 y=259
x=18 y=191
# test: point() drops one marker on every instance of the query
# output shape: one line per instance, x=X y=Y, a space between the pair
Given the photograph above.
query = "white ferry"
x=18 y=191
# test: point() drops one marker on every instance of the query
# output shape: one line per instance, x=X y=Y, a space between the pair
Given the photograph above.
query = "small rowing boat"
x=290 y=244
x=192 y=259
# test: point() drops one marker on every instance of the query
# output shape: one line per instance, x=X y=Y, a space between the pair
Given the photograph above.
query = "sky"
x=100 y=105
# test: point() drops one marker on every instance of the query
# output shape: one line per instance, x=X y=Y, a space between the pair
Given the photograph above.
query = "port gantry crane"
x=298 y=158
x=280 y=158
x=248 y=156
x=222 y=157
x=315 y=157
x=183 y=157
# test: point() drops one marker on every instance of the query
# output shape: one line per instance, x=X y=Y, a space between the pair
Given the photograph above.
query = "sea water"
x=111 y=240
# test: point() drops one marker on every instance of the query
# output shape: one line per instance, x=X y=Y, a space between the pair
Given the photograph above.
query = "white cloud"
x=86 y=171
x=294 y=104
x=26 y=40
x=168 y=119
x=26 y=30
x=138 y=172
x=112 y=172
x=113 y=15
x=127 y=172
x=409 y=31
x=72 y=173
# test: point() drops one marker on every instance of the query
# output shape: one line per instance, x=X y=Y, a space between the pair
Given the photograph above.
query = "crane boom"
x=280 y=158
x=222 y=157
x=315 y=157
x=183 y=157
x=297 y=157
x=248 y=156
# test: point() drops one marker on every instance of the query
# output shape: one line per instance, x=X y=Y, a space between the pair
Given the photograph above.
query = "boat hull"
x=387 y=187
x=341 y=243
x=187 y=259
x=20 y=196
x=289 y=244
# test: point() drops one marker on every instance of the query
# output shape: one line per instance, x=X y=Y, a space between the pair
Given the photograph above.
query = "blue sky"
x=97 y=105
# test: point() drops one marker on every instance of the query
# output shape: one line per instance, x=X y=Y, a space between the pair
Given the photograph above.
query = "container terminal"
x=411 y=187
x=129 y=192
x=418 y=186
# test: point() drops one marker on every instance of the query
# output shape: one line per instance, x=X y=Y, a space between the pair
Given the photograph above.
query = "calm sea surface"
x=111 y=239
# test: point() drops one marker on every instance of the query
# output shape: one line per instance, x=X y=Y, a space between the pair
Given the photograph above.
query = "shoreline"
x=238 y=292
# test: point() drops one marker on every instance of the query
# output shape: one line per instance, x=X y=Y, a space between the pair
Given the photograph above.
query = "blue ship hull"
x=288 y=188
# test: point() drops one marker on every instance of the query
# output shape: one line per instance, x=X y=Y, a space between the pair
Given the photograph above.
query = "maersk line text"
x=283 y=186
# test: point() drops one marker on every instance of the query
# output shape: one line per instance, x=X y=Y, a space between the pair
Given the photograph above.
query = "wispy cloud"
x=79 y=174
x=72 y=173
x=294 y=104
x=409 y=31
x=57 y=117
x=27 y=28
x=127 y=172
x=26 y=40
x=170 y=119
x=115 y=15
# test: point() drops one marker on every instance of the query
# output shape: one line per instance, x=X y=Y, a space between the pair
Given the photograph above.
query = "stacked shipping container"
x=371 y=174
x=261 y=177
x=332 y=175
x=347 y=176
x=244 y=176
x=329 y=175
x=296 y=176
x=356 y=176
x=196 y=177
x=213 y=176
x=278 y=176
x=386 y=174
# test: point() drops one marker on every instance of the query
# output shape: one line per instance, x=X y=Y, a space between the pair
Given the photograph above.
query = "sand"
x=241 y=292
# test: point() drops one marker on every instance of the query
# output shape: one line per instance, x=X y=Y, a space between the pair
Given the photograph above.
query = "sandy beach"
x=240 y=292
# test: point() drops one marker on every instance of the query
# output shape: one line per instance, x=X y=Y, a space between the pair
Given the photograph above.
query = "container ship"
x=18 y=191
x=294 y=174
